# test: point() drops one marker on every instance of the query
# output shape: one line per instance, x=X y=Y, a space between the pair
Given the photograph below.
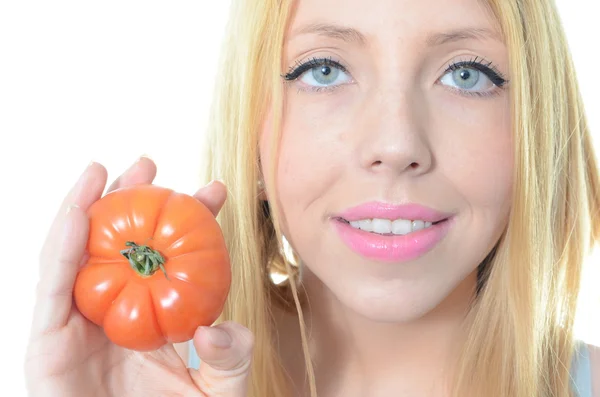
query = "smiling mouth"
x=389 y=227
x=392 y=241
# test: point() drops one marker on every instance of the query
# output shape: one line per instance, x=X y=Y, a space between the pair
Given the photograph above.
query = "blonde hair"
x=519 y=333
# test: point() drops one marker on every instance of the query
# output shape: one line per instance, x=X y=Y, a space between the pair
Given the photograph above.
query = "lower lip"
x=401 y=248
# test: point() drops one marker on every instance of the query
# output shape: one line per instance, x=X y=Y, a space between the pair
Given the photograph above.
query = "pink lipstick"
x=390 y=247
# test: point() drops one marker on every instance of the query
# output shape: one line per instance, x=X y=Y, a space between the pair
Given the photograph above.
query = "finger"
x=225 y=353
x=62 y=258
x=143 y=171
x=63 y=250
x=212 y=196
x=83 y=193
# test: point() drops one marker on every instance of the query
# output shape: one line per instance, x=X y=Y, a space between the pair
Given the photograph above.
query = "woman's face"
x=395 y=168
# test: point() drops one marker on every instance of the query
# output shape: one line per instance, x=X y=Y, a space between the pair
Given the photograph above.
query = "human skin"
x=92 y=364
x=390 y=128
x=395 y=133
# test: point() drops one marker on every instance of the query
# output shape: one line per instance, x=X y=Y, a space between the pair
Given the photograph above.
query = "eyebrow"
x=441 y=38
x=343 y=33
x=351 y=35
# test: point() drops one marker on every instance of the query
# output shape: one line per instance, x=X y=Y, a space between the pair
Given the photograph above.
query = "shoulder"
x=595 y=369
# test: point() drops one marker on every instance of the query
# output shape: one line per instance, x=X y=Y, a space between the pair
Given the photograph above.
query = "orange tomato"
x=158 y=267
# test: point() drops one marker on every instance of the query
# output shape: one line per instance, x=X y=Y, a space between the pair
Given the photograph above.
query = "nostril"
x=414 y=165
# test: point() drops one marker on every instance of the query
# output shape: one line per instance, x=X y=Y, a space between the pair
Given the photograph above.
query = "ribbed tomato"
x=158 y=267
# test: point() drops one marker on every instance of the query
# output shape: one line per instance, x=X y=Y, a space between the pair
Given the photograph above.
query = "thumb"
x=225 y=353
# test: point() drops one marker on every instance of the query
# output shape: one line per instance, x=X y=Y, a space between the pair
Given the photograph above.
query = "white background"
x=109 y=81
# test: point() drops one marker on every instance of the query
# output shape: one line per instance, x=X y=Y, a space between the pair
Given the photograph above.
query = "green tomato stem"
x=143 y=259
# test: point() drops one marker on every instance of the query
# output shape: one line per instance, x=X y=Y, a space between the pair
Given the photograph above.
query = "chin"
x=401 y=299
x=393 y=307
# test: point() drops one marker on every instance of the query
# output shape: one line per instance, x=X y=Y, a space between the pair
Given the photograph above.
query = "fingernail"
x=82 y=175
x=218 y=338
x=143 y=156
x=89 y=165
x=137 y=161
x=213 y=182
x=70 y=207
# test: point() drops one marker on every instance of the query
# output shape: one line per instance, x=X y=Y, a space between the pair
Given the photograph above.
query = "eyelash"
x=301 y=67
x=488 y=69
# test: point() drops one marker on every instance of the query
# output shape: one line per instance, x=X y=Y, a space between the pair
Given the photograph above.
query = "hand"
x=68 y=355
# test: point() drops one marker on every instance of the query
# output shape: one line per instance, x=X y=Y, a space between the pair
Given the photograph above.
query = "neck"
x=358 y=356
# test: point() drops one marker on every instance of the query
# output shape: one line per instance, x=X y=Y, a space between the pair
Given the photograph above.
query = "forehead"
x=386 y=20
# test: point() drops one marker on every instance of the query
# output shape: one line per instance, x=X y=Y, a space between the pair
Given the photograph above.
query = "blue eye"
x=473 y=78
x=324 y=75
x=319 y=73
x=468 y=77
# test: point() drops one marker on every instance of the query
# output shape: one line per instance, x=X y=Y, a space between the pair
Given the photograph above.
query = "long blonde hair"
x=520 y=329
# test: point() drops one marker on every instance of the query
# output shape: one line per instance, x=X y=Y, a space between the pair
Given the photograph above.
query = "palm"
x=92 y=362
x=68 y=355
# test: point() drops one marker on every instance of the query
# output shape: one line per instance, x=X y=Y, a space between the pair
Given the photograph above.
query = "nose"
x=393 y=138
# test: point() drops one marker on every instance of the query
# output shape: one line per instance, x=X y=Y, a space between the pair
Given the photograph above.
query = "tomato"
x=158 y=267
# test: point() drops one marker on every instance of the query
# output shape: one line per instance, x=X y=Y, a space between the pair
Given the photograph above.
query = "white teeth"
x=382 y=226
x=386 y=226
x=418 y=225
x=401 y=226
x=366 y=225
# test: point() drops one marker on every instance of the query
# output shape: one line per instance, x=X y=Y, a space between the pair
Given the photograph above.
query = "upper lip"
x=382 y=210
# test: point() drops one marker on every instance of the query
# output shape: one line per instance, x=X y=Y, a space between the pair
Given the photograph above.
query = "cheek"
x=483 y=175
x=313 y=151
x=475 y=153
x=310 y=160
